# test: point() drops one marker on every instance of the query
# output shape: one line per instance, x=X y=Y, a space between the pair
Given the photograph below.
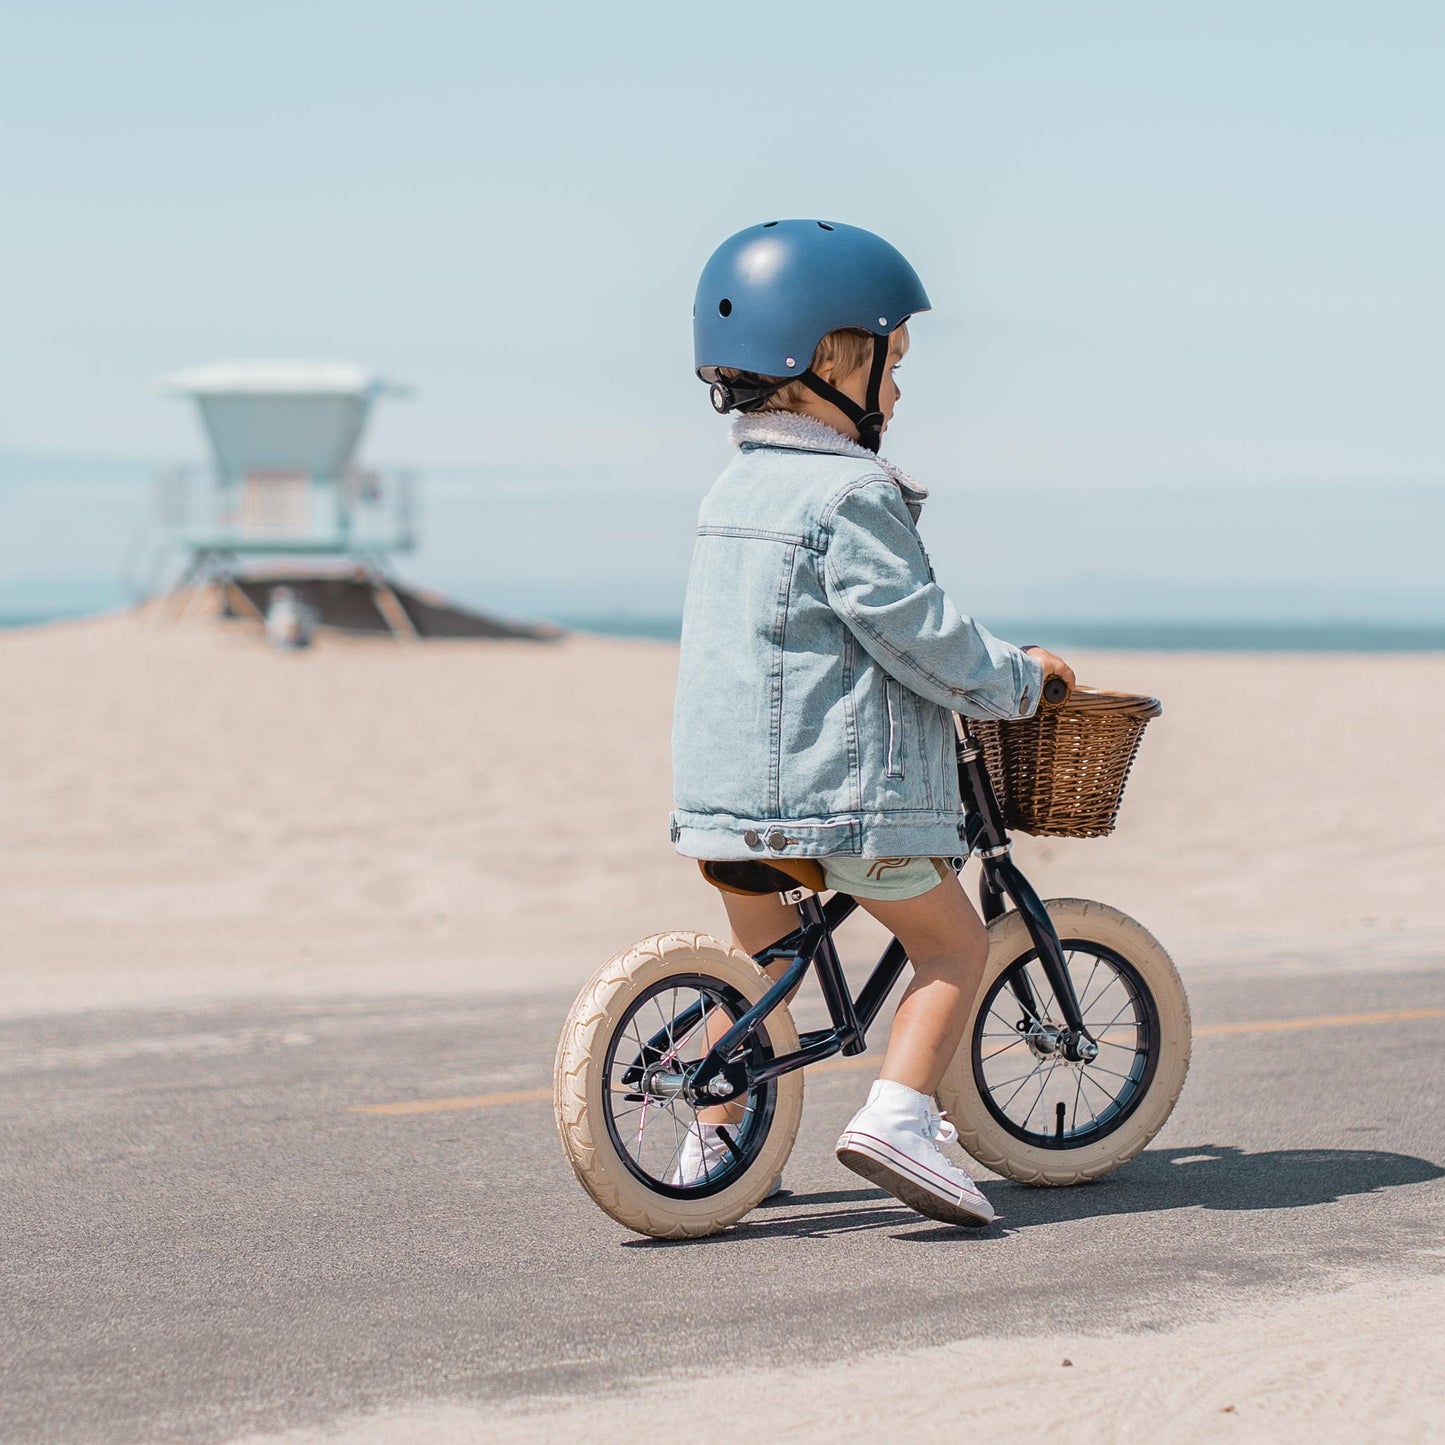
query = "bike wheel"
x=1024 y=1110
x=642 y=1017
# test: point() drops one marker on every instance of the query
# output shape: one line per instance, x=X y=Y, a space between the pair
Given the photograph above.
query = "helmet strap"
x=868 y=418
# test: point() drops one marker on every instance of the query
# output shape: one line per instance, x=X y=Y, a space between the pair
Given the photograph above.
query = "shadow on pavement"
x=1207 y=1176
x=1217 y=1176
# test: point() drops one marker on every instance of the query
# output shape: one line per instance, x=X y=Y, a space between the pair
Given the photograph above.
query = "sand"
x=190 y=814
x=1301 y=1371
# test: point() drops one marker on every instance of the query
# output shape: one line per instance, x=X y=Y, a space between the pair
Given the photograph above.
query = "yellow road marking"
x=442 y=1106
x=863 y=1061
x=1328 y=1021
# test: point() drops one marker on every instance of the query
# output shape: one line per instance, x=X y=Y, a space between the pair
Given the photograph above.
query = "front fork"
x=1001 y=883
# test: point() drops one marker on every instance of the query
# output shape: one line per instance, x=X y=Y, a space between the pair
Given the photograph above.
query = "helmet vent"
x=824 y=226
x=725 y=307
x=766 y=224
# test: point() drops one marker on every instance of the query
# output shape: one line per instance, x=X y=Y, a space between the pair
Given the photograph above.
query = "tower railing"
x=365 y=512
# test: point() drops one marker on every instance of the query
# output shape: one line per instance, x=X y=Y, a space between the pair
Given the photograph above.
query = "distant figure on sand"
x=821 y=664
x=290 y=622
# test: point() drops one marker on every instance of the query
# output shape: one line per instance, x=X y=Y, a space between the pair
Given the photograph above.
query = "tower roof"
x=279 y=378
x=282 y=416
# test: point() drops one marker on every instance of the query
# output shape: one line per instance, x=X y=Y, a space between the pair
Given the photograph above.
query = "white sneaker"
x=701 y=1153
x=893 y=1140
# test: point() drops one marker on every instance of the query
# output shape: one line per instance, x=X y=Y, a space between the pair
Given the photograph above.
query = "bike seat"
x=781 y=875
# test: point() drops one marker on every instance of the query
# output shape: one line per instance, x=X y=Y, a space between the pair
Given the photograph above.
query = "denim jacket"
x=821 y=663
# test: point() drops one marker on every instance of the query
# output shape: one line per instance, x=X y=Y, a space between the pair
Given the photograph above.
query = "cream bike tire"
x=644 y=1016
x=1025 y=1110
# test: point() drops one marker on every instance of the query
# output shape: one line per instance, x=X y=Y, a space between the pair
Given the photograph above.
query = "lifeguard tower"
x=286 y=502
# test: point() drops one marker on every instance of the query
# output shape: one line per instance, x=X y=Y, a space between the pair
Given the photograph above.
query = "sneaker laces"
x=939 y=1129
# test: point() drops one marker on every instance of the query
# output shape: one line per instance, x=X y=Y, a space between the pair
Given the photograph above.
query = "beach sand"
x=1309 y=1370
x=190 y=814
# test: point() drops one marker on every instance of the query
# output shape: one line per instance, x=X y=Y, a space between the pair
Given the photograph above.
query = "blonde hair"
x=839 y=353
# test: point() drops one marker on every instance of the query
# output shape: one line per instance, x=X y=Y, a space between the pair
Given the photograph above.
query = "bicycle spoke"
x=1002 y=1050
x=1103 y=1070
x=1044 y=1084
x=1109 y=1001
x=1051 y=1007
x=1017 y=1078
x=1020 y=1088
x=1078 y=1089
x=1110 y=1100
x=637 y=1042
x=670 y=1026
x=1128 y=1003
x=691 y=1033
x=1028 y=1014
x=677 y=1149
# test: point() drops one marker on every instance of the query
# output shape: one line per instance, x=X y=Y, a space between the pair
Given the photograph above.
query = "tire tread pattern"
x=581 y=1053
x=978 y=1131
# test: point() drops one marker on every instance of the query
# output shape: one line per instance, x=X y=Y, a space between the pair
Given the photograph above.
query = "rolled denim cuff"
x=1029 y=675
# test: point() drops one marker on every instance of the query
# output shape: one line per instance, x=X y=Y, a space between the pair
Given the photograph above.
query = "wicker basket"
x=1062 y=771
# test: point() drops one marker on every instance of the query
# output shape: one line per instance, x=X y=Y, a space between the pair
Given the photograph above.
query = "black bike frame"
x=811 y=946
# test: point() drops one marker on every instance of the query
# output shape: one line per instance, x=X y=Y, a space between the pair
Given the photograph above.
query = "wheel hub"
x=663 y=1081
x=1049 y=1041
x=1043 y=1039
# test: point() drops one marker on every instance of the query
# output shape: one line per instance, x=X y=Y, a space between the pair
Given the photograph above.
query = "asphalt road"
x=200 y=1236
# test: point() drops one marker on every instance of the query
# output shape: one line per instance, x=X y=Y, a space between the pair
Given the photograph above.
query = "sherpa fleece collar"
x=806 y=433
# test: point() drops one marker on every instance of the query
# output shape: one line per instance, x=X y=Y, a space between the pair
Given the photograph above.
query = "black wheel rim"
x=668 y=1026
x=1042 y=1098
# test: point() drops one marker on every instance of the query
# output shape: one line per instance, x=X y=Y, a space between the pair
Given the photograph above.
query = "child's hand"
x=1052 y=665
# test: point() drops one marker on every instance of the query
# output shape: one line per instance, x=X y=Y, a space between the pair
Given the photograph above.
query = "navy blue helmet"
x=770 y=294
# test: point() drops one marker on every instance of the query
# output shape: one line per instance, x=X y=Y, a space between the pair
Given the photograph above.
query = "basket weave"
x=1062 y=772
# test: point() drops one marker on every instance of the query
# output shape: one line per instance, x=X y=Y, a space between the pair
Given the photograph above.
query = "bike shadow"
x=778 y=1219
x=1205 y=1176
x=1220 y=1177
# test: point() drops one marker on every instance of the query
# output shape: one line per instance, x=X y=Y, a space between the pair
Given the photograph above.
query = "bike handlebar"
x=1055 y=689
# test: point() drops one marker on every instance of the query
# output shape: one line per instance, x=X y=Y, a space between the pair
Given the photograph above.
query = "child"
x=821 y=663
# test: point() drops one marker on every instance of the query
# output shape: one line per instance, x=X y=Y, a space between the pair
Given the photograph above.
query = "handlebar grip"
x=1055 y=689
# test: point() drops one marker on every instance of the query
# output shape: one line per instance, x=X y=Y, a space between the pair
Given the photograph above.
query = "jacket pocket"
x=893 y=699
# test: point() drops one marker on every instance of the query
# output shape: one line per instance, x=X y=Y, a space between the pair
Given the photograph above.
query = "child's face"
x=855 y=383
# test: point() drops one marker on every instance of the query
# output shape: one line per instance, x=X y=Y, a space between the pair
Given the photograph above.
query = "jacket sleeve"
x=879 y=583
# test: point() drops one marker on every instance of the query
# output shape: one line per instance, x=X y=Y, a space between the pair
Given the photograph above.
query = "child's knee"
x=963 y=951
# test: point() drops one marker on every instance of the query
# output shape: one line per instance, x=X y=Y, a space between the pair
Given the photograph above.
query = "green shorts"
x=885 y=878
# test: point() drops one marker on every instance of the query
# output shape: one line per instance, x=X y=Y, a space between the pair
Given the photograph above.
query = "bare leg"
x=758 y=921
x=948 y=947
x=894 y=1139
x=755 y=922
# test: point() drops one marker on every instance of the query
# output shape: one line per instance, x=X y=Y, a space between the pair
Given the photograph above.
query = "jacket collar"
x=806 y=434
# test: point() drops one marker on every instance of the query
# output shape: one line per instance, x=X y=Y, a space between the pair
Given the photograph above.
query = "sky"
x=1188 y=338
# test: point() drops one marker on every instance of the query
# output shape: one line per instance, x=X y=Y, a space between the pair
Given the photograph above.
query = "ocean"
x=1184 y=635
x=1127 y=635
